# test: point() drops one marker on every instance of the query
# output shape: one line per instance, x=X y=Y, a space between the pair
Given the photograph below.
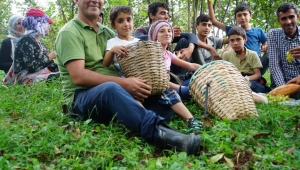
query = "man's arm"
x=209 y=48
x=273 y=53
x=214 y=21
x=87 y=78
x=140 y=33
x=188 y=48
x=256 y=75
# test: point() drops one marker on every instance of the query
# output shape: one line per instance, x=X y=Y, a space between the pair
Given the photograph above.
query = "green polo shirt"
x=77 y=40
x=246 y=65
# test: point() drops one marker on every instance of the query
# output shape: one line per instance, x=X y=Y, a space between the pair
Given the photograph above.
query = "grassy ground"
x=36 y=135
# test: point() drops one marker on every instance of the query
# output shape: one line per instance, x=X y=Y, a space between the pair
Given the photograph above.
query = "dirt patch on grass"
x=242 y=159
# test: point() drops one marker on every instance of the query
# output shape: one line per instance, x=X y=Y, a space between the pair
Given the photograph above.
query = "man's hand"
x=295 y=80
x=186 y=53
x=136 y=87
x=295 y=52
x=215 y=54
x=177 y=31
x=264 y=47
x=51 y=55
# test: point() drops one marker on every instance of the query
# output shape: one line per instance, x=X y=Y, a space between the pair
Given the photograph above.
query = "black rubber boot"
x=183 y=143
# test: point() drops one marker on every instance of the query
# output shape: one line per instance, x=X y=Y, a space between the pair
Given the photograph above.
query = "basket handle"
x=177 y=80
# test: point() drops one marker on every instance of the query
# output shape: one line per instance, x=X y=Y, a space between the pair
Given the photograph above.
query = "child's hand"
x=120 y=50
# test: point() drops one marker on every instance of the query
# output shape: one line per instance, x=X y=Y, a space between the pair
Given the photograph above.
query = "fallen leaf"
x=216 y=158
x=206 y=122
x=262 y=134
x=118 y=157
x=17 y=167
x=189 y=165
x=229 y=162
x=158 y=163
x=291 y=150
x=64 y=127
x=76 y=133
x=94 y=131
x=11 y=158
x=56 y=150
x=259 y=145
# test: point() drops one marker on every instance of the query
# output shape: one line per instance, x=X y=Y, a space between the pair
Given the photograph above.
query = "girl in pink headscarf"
x=162 y=31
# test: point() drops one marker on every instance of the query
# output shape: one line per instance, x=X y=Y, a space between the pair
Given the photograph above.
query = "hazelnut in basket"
x=286 y=89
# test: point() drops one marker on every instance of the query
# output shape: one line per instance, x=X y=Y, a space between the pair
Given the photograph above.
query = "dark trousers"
x=104 y=102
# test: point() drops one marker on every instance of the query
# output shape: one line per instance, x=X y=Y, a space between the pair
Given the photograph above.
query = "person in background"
x=186 y=42
x=245 y=60
x=15 y=30
x=283 y=41
x=93 y=91
x=32 y=62
x=256 y=38
x=203 y=26
x=101 y=17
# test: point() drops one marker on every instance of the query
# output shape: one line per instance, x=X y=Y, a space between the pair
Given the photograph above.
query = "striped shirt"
x=278 y=45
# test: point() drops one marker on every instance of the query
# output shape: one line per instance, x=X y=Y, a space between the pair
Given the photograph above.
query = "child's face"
x=123 y=24
x=237 y=42
x=203 y=28
x=164 y=35
x=243 y=17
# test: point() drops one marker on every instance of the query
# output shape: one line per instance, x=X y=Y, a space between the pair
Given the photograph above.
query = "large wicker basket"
x=145 y=61
x=229 y=95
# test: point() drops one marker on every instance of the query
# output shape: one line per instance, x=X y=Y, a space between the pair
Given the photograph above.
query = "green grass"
x=36 y=135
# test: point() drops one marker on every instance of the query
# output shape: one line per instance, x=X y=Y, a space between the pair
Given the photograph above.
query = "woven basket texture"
x=145 y=61
x=229 y=95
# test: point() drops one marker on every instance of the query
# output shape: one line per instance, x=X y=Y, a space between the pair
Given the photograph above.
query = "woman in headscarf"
x=16 y=30
x=32 y=62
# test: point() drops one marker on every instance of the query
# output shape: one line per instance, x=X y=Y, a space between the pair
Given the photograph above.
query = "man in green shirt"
x=93 y=91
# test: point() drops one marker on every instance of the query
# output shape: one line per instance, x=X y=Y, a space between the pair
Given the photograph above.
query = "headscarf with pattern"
x=36 y=22
x=154 y=28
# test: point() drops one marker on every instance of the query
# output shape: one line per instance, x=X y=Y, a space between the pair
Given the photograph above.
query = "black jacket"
x=5 y=55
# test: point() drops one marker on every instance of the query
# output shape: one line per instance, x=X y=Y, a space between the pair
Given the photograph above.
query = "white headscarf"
x=11 y=26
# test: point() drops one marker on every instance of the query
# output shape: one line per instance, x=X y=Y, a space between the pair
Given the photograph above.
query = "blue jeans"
x=104 y=102
x=265 y=63
x=185 y=94
x=258 y=88
x=179 y=71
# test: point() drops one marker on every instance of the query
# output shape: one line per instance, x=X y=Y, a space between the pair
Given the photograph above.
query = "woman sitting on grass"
x=32 y=62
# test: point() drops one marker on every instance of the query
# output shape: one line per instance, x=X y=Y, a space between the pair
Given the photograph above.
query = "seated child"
x=121 y=18
x=245 y=60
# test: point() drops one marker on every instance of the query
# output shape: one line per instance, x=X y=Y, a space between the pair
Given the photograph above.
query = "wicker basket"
x=145 y=61
x=229 y=95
